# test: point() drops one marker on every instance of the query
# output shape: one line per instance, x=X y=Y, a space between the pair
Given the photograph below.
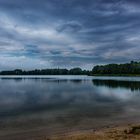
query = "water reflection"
x=133 y=85
x=66 y=103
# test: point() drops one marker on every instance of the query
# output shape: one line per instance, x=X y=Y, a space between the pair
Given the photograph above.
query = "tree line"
x=110 y=69
x=74 y=71
x=128 y=68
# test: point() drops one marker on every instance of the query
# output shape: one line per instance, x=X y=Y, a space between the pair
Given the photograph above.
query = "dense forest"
x=132 y=68
x=118 y=69
x=74 y=71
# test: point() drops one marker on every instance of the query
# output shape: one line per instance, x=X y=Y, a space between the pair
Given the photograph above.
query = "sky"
x=36 y=34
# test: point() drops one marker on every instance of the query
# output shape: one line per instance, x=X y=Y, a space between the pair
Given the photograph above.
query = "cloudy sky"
x=68 y=33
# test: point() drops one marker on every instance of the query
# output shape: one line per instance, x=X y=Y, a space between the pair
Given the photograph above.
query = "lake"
x=60 y=104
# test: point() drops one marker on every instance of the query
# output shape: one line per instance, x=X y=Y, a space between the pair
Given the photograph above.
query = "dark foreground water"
x=59 y=104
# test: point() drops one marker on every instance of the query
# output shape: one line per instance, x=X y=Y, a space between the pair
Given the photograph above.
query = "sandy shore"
x=129 y=132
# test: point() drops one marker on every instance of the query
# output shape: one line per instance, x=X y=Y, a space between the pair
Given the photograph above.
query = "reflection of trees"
x=133 y=85
x=46 y=80
x=76 y=81
x=16 y=79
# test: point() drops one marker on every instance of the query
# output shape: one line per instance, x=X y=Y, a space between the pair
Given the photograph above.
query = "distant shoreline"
x=103 y=75
x=127 y=69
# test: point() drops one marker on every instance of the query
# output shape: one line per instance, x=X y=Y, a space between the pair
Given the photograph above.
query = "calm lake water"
x=58 y=104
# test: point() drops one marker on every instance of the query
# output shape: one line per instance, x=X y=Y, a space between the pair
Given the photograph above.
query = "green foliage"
x=74 y=71
x=132 y=68
x=127 y=68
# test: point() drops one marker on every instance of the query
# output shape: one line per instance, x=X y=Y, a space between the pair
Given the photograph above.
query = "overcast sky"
x=68 y=33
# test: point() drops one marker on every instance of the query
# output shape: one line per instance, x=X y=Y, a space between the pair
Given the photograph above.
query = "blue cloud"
x=56 y=33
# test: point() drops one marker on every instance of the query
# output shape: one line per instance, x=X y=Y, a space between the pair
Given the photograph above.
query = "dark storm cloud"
x=52 y=33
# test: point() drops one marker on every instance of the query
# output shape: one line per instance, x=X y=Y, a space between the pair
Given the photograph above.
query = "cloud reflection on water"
x=65 y=101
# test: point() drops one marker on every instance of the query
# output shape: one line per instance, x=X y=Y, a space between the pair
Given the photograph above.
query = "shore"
x=129 y=132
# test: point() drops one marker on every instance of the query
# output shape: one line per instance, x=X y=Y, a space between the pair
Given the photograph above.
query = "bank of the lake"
x=119 y=132
x=128 y=132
